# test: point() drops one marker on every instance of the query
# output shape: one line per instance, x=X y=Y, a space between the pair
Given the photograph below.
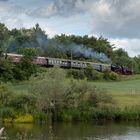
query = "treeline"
x=65 y=46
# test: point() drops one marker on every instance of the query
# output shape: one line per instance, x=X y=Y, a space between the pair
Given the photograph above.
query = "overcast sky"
x=117 y=20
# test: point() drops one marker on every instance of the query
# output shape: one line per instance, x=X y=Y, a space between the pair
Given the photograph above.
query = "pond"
x=73 y=131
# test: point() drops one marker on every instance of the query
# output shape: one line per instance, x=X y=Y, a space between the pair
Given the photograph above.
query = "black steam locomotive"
x=121 y=69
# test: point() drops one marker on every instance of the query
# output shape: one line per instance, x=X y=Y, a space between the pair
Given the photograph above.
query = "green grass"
x=21 y=87
x=124 y=87
x=125 y=93
x=127 y=100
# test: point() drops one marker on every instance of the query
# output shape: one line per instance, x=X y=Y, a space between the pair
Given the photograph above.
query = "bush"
x=107 y=75
x=5 y=94
x=41 y=118
x=92 y=74
x=24 y=103
x=77 y=74
x=113 y=76
x=7 y=112
x=64 y=116
x=24 y=118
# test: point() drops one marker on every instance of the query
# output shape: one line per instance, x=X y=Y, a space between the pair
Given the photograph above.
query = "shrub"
x=106 y=75
x=64 y=116
x=5 y=94
x=75 y=73
x=24 y=118
x=23 y=102
x=92 y=74
x=41 y=118
x=113 y=76
x=7 y=112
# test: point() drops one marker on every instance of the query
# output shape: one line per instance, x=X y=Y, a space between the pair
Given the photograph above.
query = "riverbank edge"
x=92 y=114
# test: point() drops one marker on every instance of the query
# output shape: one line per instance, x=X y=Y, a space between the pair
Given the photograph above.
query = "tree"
x=6 y=73
x=25 y=67
x=136 y=64
x=52 y=90
x=121 y=58
x=4 y=34
x=92 y=74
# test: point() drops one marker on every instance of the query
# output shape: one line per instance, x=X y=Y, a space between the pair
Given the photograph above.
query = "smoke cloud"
x=50 y=46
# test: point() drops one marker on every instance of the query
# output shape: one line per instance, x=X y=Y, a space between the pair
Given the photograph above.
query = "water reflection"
x=73 y=131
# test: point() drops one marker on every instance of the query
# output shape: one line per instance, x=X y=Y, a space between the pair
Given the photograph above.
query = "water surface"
x=73 y=131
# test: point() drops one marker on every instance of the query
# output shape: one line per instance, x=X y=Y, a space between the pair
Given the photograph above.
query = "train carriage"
x=49 y=62
x=41 y=61
x=15 y=58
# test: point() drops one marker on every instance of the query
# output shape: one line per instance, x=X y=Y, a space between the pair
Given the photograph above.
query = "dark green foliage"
x=136 y=64
x=107 y=75
x=77 y=74
x=7 y=112
x=23 y=102
x=99 y=44
x=6 y=73
x=41 y=117
x=5 y=94
x=21 y=71
x=26 y=68
x=113 y=76
x=4 y=35
x=92 y=74
x=121 y=58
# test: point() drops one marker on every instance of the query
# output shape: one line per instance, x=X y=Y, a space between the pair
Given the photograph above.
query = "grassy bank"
x=55 y=97
x=126 y=93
